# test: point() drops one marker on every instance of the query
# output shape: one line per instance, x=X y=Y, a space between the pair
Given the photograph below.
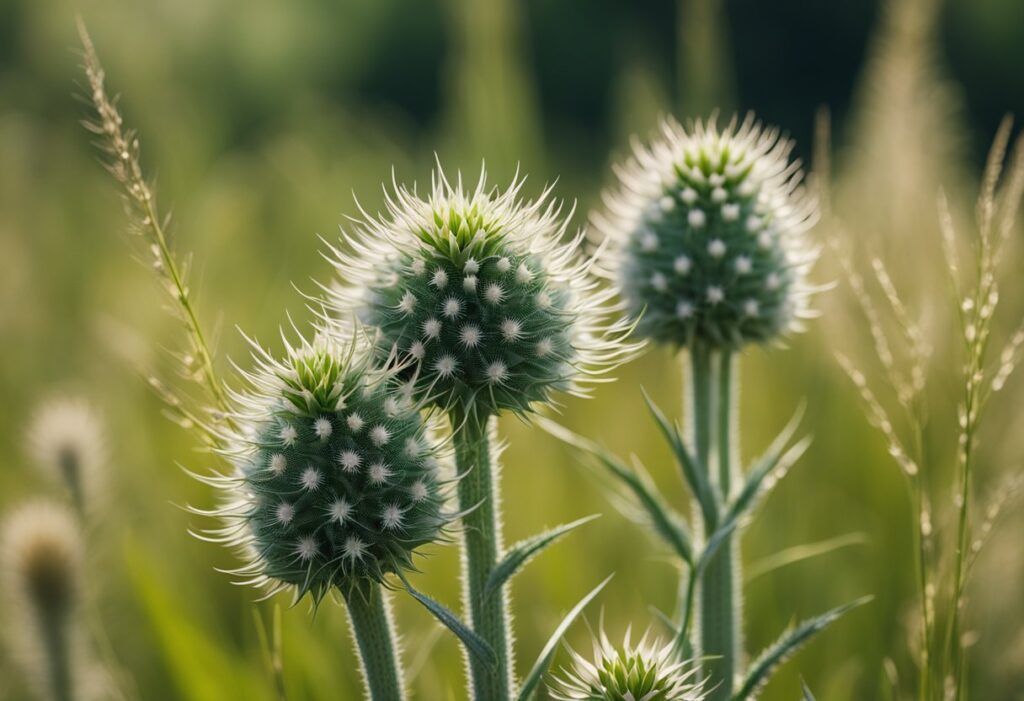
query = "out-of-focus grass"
x=262 y=118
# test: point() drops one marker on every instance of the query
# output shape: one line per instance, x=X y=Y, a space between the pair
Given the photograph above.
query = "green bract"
x=474 y=294
x=336 y=473
x=709 y=232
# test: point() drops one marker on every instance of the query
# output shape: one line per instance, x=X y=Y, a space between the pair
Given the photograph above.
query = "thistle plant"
x=42 y=580
x=708 y=244
x=475 y=292
x=649 y=670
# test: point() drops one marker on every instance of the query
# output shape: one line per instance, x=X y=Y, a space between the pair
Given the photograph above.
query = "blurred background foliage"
x=262 y=119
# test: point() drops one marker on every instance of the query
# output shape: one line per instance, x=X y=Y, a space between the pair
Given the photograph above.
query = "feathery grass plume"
x=941 y=590
x=708 y=230
x=649 y=670
x=41 y=556
x=67 y=440
x=335 y=486
x=474 y=291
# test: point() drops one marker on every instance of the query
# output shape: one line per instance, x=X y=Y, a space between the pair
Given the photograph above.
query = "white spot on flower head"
x=340 y=510
x=380 y=435
x=682 y=265
x=278 y=463
x=392 y=516
x=412 y=447
x=772 y=282
x=718 y=195
x=523 y=274
x=511 y=330
x=544 y=347
x=379 y=473
x=419 y=491
x=689 y=195
x=310 y=479
x=667 y=204
x=322 y=428
x=730 y=212
x=354 y=422
x=747 y=187
x=452 y=308
x=503 y=265
x=684 y=309
x=764 y=239
x=696 y=218
x=743 y=265
x=350 y=460
x=715 y=294
x=417 y=350
x=494 y=294
x=716 y=248
x=543 y=300
x=470 y=336
x=716 y=179
x=648 y=241
x=284 y=513
x=471 y=267
x=439 y=279
x=497 y=372
x=391 y=406
x=751 y=307
x=431 y=328
x=753 y=223
x=658 y=282
x=306 y=548
x=446 y=365
x=353 y=549
x=288 y=434
x=408 y=303
x=469 y=283
x=418 y=266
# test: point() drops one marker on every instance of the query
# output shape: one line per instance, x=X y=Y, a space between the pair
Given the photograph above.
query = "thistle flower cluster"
x=336 y=473
x=476 y=293
x=647 y=671
x=708 y=231
x=67 y=440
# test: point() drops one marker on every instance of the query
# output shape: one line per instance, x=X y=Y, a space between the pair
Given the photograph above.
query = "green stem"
x=482 y=544
x=57 y=650
x=374 y=632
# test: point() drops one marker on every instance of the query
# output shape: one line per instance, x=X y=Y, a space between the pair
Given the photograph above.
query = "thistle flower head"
x=709 y=235
x=475 y=292
x=647 y=671
x=41 y=554
x=336 y=472
x=66 y=438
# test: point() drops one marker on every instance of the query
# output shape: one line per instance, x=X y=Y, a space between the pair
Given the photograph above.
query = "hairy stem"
x=375 y=636
x=482 y=545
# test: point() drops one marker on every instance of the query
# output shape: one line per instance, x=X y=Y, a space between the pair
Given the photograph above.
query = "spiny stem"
x=482 y=544
x=374 y=632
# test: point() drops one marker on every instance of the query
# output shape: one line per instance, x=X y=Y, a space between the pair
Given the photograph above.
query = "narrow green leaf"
x=540 y=667
x=476 y=645
x=665 y=520
x=799 y=553
x=696 y=475
x=521 y=553
x=808 y=696
x=788 y=643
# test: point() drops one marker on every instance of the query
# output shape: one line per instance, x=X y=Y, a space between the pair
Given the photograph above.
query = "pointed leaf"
x=666 y=521
x=696 y=475
x=788 y=643
x=521 y=553
x=476 y=645
x=714 y=543
x=540 y=667
x=808 y=696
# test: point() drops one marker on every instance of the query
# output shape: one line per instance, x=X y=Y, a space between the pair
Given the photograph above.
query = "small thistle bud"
x=336 y=473
x=41 y=568
x=475 y=294
x=708 y=230
x=66 y=439
x=648 y=671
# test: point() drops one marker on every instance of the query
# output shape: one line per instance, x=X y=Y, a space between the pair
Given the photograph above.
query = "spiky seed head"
x=42 y=553
x=507 y=313
x=704 y=222
x=326 y=491
x=67 y=440
x=647 y=671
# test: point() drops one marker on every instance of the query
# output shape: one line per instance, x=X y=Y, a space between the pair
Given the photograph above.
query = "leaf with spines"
x=695 y=474
x=788 y=643
x=522 y=552
x=666 y=521
x=540 y=667
x=476 y=645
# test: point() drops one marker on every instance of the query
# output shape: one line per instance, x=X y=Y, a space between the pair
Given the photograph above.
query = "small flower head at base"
x=477 y=296
x=646 y=671
x=326 y=491
x=66 y=438
x=708 y=235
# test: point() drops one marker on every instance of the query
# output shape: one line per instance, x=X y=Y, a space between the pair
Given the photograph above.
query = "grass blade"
x=808 y=696
x=788 y=643
x=540 y=667
x=523 y=551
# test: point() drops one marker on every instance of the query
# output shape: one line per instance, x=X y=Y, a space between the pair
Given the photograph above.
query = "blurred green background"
x=264 y=119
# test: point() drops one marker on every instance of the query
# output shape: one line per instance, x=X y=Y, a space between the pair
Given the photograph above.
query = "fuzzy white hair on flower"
x=67 y=440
